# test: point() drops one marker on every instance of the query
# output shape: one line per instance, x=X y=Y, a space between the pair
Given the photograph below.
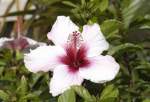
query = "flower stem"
x=19 y=20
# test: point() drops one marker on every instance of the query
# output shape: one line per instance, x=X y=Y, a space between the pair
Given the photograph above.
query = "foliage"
x=125 y=24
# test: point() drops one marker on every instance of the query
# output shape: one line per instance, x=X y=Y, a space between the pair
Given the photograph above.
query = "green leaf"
x=143 y=65
x=67 y=96
x=134 y=10
x=124 y=70
x=1 y=70
x=3 y=95
x=82 y=92
x=110 y=26
x=146 y=100
x=23 y=85
x=116 y=49
x=83 y=2
x=109 y=94
x=69 y=4
x=19 y=55
x=103 y=5
x=2 y=63
x=35 y=79
x=23 y=88
x=31 y=96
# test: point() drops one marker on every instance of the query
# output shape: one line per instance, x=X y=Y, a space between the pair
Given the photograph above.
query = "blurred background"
x=124 y=23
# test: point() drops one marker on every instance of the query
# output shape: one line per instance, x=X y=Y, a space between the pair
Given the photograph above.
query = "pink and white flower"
x=75 y=56
x=20 y=43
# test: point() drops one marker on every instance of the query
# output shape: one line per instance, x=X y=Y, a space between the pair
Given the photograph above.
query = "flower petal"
x=43 y=58
x=102 y=69
x=3 y=40
x=61 y=30
x=94 y=38
x=62 y=80
x=33 y=42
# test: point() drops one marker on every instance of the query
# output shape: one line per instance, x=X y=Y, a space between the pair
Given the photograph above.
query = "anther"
x=75 y=33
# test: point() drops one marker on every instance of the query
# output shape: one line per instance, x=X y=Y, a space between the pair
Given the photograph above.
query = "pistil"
x=76 y=51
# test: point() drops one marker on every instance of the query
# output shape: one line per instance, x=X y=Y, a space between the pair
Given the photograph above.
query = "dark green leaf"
x=103 y=5
x=23 y=87
x=82 y=92
x=67 y=96
x=109 y=94
x=110 y=26
x=69 y=3
x=135 y=9
x=146 y=100
x=3 y=95
x=116 y=49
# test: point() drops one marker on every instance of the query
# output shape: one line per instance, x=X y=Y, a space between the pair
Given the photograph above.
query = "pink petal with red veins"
x=75 y=58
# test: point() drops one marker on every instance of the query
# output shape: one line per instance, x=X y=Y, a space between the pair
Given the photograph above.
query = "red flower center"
x=76 y=56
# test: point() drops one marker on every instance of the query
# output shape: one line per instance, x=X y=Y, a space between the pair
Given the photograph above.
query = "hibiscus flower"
x=74 y=57
x=20 y=43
